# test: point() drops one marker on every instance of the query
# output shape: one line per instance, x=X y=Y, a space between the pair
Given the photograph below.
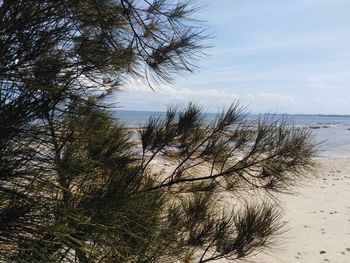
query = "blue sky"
x=281 y=56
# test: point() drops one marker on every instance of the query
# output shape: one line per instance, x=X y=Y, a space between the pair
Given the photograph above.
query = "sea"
x=331 y=133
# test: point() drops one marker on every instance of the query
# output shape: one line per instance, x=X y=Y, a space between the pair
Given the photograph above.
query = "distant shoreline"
x=331 y=132
x=253 y=114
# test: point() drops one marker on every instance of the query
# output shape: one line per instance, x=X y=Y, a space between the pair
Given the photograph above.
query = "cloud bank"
x=275 y=56
x=138 y=96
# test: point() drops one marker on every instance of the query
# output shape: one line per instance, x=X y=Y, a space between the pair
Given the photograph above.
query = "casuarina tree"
x=76 y=186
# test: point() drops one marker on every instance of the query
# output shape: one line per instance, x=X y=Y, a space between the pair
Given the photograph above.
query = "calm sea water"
x=332 y=132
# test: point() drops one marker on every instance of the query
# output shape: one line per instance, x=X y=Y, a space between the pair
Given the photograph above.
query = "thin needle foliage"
x=75 y=185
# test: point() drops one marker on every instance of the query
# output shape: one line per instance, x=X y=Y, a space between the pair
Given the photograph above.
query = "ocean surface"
x=331 y=132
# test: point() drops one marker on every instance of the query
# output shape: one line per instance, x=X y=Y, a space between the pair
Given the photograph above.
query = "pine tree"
x=75 y=186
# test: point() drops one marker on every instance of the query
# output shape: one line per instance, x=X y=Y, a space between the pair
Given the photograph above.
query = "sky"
x=276 y=56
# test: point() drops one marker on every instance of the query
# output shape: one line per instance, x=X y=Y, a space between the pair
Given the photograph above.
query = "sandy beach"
x=318 y=218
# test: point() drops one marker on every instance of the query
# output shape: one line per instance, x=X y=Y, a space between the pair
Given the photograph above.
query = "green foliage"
x=228 y=156
x=76 y=188
x=99 y=199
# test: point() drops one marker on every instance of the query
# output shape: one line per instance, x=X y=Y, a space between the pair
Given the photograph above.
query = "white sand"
x=318 y=218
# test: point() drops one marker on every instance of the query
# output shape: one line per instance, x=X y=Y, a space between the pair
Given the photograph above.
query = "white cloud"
x=138 y=96
x=278 y=56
